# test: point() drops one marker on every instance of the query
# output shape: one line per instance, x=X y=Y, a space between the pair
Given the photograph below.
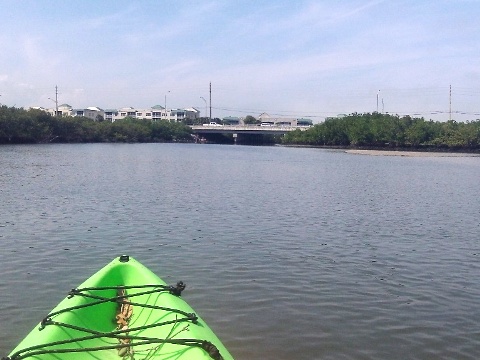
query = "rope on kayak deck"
x=123 y=332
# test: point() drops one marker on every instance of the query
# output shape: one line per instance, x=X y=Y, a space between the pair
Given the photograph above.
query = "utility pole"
x=210 y=101
x=450 y=102
x=166 y=99
x=56 y=100
x=378 y=92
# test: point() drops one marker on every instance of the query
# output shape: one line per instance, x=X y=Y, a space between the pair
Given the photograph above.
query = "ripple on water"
x=287 y=253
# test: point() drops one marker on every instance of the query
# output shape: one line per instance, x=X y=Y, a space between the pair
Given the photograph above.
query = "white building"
x=281 y=121
x=92 y=112
x=111 y=114
x=125 y=112
x=155 y=113
x=63 y=110
x=177 y=115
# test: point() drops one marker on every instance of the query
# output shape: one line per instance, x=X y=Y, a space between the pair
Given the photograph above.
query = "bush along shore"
x=20 y=126
x=355 y=131
x=384 y=131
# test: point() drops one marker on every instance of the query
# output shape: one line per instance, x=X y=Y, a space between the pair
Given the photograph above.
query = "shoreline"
x=409 y=153
x=393 y=152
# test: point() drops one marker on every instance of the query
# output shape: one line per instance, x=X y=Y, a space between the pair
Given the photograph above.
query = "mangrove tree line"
x=376 y=130
x=19 y=126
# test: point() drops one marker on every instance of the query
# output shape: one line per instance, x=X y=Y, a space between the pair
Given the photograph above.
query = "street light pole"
x=166 y=100
x=55 y=101
x=166 y=114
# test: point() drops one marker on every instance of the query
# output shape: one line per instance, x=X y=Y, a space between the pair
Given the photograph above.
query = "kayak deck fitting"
x=124 y=311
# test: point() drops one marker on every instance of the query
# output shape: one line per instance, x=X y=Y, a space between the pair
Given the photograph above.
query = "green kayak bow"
x=124 y=311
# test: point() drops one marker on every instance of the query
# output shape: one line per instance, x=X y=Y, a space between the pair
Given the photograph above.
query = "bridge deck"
x=246 y=129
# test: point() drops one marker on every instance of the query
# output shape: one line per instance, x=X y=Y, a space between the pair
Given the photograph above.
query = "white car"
x=212 y=123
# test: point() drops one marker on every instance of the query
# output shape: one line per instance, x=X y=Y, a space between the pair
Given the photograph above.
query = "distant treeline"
x=20 y=126
x=370 y=130
x=390 y=131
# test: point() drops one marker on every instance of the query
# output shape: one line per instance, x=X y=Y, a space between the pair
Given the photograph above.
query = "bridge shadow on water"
x=241 y=139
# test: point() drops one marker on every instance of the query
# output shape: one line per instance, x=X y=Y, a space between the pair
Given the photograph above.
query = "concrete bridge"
x=245 y=129
x=242 y=132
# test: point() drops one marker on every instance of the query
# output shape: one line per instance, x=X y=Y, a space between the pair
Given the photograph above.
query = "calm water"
x=287 y=253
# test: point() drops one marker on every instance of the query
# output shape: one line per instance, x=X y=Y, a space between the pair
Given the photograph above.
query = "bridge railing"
x=250 y=127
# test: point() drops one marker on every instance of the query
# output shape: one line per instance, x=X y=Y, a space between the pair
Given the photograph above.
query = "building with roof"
x=283 y=121
x=63 y=110
x=155 y=113
x=92 y=112
x=111 y=114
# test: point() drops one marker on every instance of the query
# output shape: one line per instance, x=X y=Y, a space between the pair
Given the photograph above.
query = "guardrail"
x=249 y=128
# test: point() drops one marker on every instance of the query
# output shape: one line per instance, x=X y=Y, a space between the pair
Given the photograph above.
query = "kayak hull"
x=124 y=311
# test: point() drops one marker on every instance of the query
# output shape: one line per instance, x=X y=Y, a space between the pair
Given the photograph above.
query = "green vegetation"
x=250 y=120
x=19 y=126
x=390 y=131
x=373 y=130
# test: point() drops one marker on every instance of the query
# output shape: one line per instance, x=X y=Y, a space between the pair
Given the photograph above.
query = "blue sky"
x=287 y=58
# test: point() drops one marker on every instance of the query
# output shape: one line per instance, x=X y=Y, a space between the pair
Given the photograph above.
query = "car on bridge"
x=212 y=123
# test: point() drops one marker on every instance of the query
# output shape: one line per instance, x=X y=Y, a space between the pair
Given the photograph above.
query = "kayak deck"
x=124 y=311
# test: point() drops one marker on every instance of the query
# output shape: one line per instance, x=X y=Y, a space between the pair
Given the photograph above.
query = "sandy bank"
x=408 y=153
